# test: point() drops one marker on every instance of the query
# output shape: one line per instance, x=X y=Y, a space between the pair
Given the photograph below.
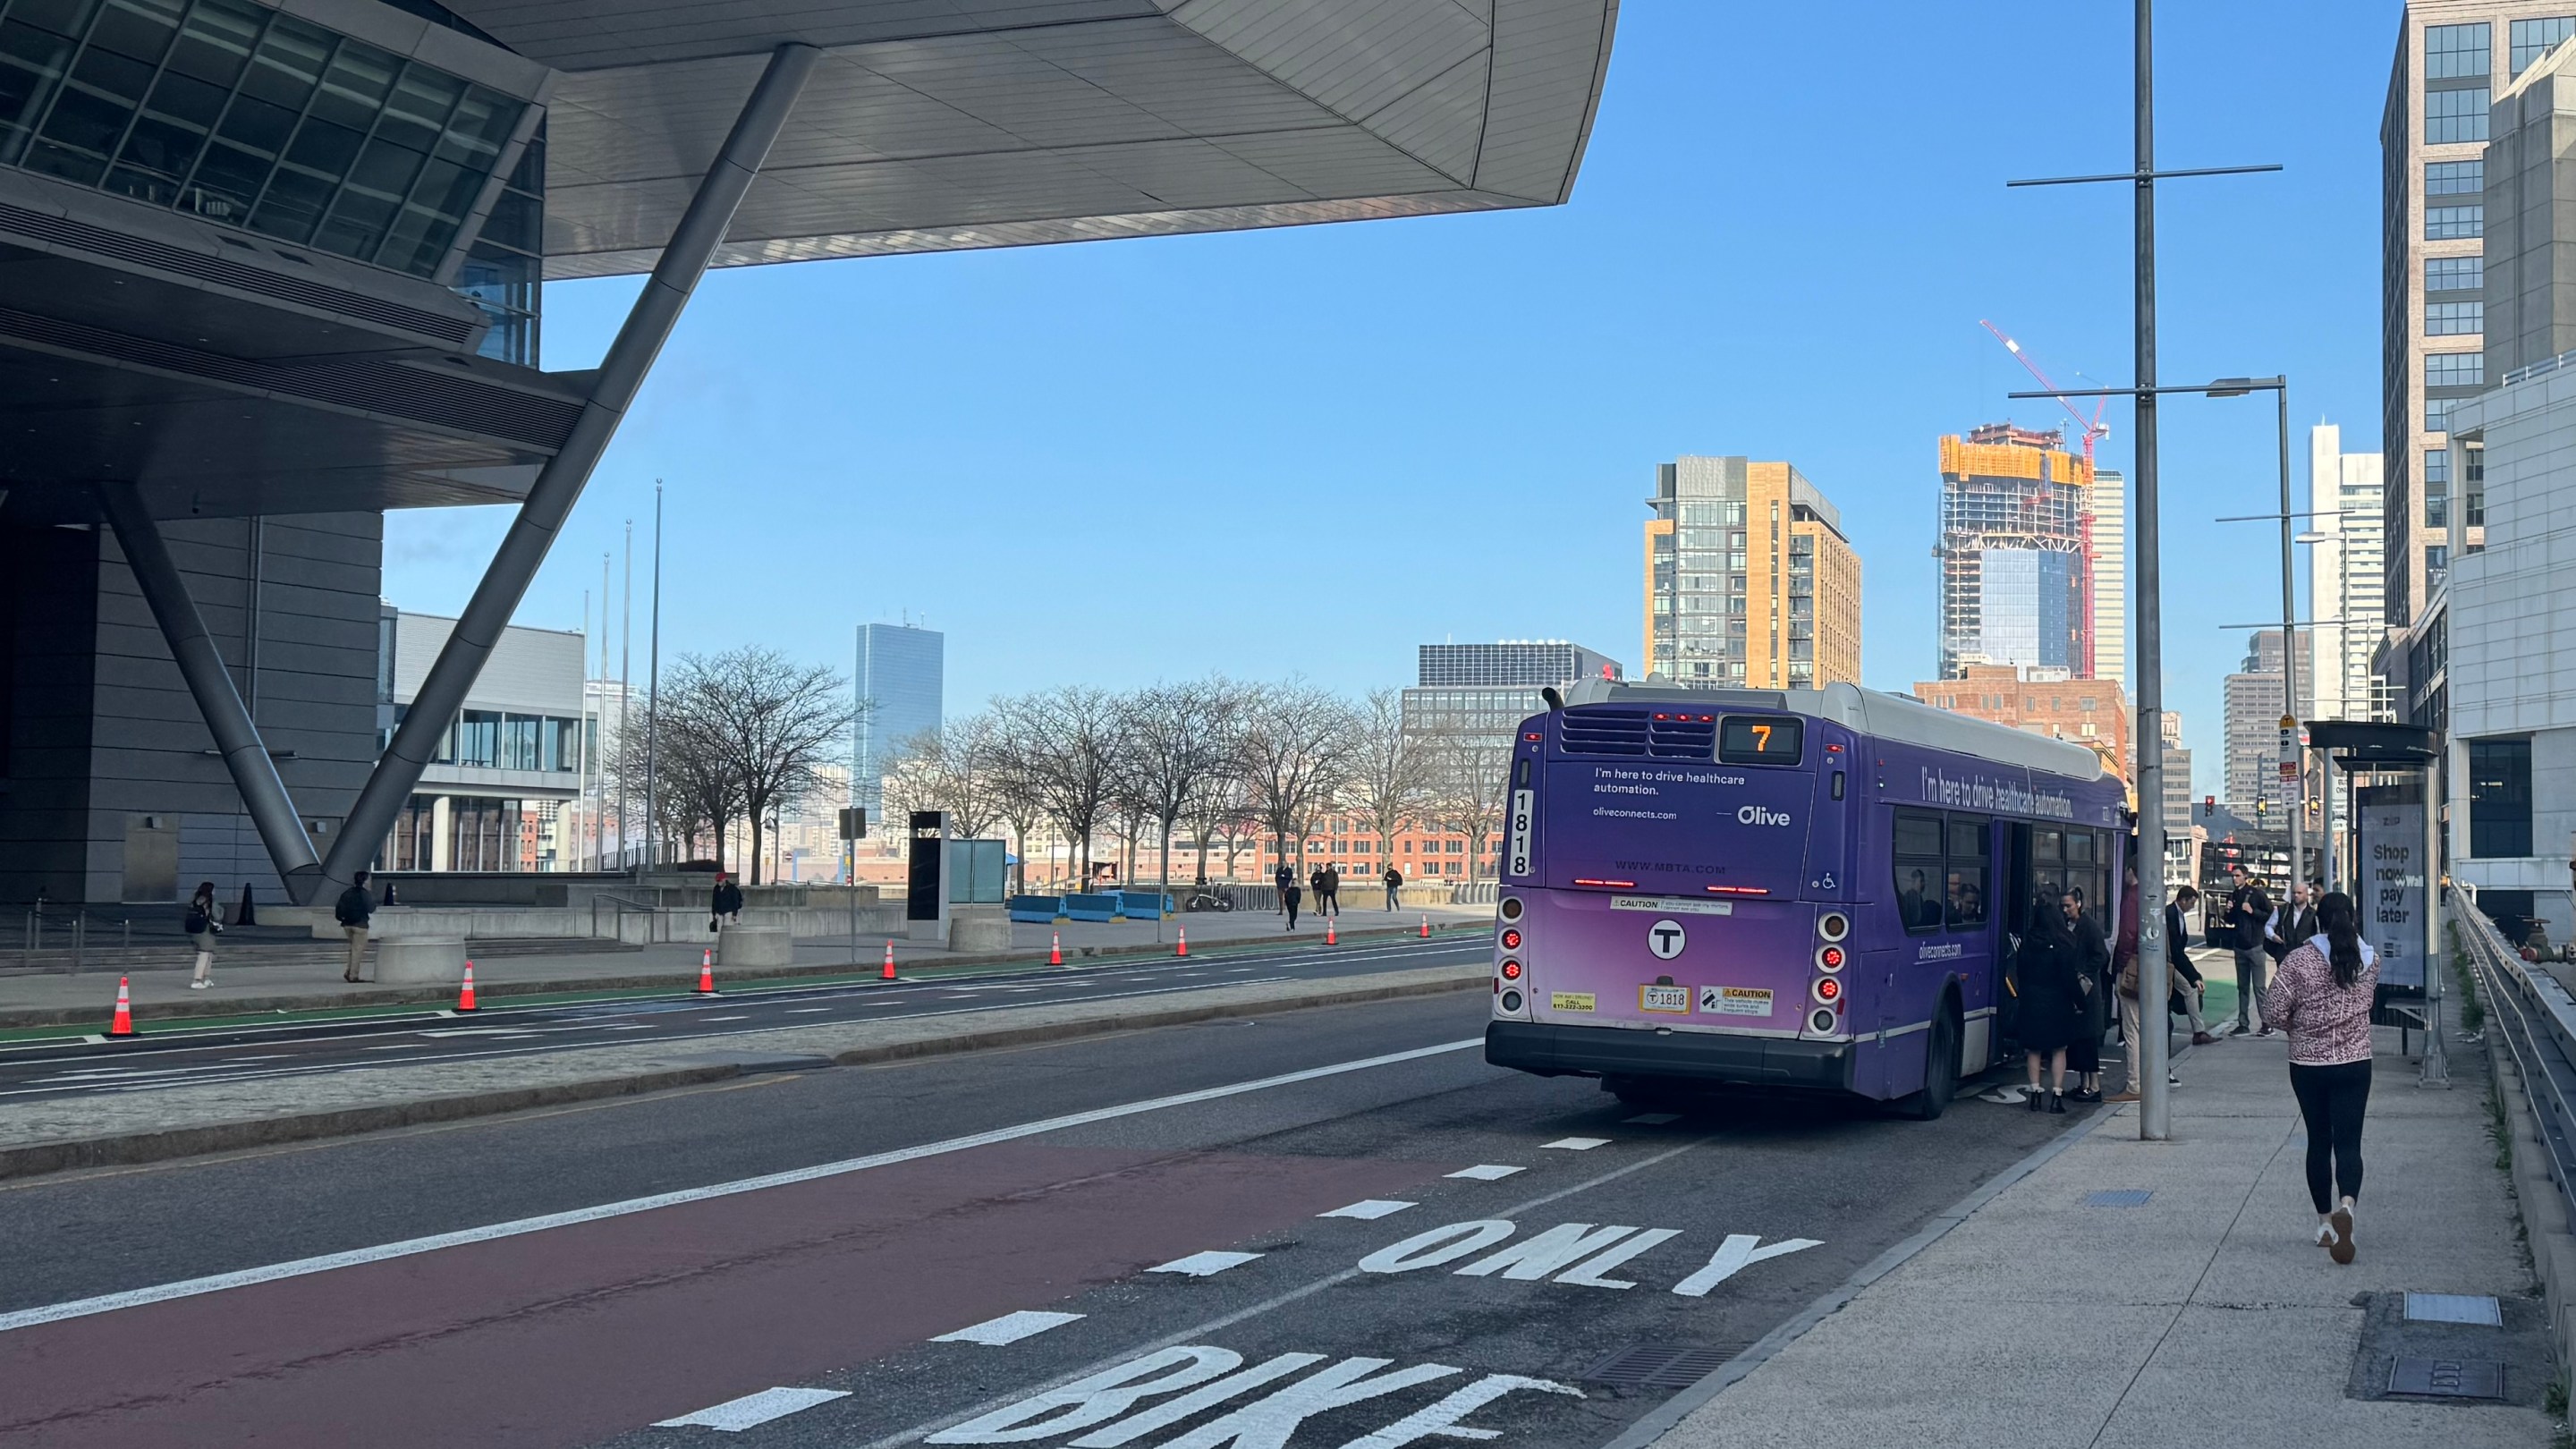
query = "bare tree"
x=1392 y=771
x=1176 y=741
x=1468 y=788
x=1220 y=809
x=1295 y=752
x=698 y=796
x=1062 y=747
x=955 y=767
x=775 y=722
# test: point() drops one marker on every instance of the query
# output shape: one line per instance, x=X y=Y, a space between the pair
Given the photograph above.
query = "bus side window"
x=1966 y=893
x=1918 y=869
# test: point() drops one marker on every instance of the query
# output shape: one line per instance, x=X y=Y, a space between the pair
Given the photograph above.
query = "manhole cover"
x=2119 y=1197
x=2447 y=1378
x=1661 y=1366
x=2454 y=1308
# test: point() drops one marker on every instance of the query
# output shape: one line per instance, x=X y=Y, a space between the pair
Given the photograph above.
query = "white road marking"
x=1009 y=1328
x=1738 y=1252
x=409 y=1247
x=401 y=1046
x=712 y=1020
x=805 y=1010
x=1376 y=1207
x=1578 y=1144
x=753 y=1410
x=1202 y=1265
x=1655 y=1119
x=1486 y=1172
x=480 y=1031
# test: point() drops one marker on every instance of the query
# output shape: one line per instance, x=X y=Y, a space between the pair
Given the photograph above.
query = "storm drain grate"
x=2478 y=1308
x=2119 y=1197
x=2447 y=1378
x=1661 y=1366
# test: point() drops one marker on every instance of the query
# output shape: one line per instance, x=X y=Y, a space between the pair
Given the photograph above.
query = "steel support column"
x=559 y=484
x=254 y=774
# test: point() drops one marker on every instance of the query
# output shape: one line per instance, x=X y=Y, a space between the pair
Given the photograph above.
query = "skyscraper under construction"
x=2017 y=548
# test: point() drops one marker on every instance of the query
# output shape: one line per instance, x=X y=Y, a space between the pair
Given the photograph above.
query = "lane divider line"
x=1204 y=1265
x=412 y=1247
x=753 y=1410
x=1486 y=1172
x=1009 y=1328
x=1367 y=1209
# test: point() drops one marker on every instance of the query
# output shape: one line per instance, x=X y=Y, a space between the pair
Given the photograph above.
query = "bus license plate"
x=1674 y=999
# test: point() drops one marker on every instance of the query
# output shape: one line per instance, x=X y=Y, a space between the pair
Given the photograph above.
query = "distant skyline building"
x=2110 y=495
x=1480 y=693
x=2177 y=761
x=2251 y=702
x=2347 y=578
x=2452 y=56
x=503 y=788
x=900 y=680
x=2017 y=572
x=1750 y=581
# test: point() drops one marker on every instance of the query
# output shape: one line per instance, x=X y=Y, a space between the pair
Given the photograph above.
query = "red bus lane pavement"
x=576 y=1333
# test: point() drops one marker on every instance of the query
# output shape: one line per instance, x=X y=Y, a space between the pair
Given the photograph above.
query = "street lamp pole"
x=2293 y=759
x=2147 y=1073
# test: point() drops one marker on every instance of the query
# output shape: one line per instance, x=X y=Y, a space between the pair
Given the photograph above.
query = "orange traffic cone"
x=1185 y=942
x=1055 y=948
x=707 y=974
x=888 y=974
x=465 y=997
x=1330 y=939
x=123 y=1025
x=1426 y=927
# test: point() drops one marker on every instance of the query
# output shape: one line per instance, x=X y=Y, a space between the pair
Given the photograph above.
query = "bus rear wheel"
x=1940 y=1066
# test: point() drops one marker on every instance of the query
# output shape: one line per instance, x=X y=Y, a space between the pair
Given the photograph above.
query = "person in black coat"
x=2045 y=972
x=2093 y=996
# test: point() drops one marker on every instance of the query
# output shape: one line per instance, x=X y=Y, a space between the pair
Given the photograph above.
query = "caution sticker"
x=1571 y=1000
x=1734 y=1001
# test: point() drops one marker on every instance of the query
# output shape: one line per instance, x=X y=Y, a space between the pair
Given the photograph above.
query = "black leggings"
x=2332 y=1100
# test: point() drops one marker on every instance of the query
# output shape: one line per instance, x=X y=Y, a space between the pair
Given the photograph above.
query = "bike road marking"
x=1486 y=1172
x=411 y=1247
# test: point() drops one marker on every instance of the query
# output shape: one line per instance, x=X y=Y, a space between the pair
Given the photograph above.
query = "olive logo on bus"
x=1760 y=815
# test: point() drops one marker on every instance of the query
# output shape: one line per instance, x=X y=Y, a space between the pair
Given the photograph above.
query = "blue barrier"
x=1092 y=907
x=1144 y=905
x=1041 y=909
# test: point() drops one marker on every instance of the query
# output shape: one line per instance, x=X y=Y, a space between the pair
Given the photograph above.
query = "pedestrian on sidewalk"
x=727 y=903
x=2125 y=991
x=1289 y=895
x=1315 y=885
x=1284 y=880
x=355 y=910
x=2322 y=1000
x=2045 y=972
x=2178 y=944
x=1330 y=904
x=2249 y=906
x=203 y=924
x=2093 y=995
x=1394 y=883
x=2293 y=921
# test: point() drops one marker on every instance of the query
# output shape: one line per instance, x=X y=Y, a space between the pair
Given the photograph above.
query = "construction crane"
x=2093 y=429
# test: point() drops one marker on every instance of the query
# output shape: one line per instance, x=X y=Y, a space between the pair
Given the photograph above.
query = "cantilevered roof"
x=941 y=124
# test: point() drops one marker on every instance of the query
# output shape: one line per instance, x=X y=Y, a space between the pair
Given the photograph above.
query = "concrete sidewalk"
x=243 y=983
x=2205 y=1315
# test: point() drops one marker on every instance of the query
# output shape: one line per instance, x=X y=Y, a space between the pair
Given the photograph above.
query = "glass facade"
x=2532 y=39
x=504 y=267
x=2499 y=798
x=251 y=118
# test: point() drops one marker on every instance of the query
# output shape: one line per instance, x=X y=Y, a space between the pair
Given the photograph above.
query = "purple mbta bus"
x=1805 y=888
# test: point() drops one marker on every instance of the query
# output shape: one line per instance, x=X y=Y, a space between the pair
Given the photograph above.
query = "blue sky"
x=1308 y=450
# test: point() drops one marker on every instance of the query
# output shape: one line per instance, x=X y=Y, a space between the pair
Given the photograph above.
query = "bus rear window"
x=1748 y=739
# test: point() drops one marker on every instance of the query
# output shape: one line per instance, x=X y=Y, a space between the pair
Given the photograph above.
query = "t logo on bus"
x=1665 y=939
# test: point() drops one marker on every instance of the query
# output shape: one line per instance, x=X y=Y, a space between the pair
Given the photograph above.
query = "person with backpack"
x=1289 y=895
x=2322 y=999
x=1283 y=880
x=203 y=923
x=726 y=909
x=2249 y=908
x=355 y=909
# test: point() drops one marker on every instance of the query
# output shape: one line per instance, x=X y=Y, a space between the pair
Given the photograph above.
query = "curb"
x=676 y=981
x=142 y=1147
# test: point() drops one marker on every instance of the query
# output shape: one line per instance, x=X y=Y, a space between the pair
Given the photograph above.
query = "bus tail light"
x=1511 y=971
x=1511 y=1001
x=1511 y=940
x=1827 y=990
x=1829 y=959
x=1822 y=1022
x=1511 y=908
x=1833 y=925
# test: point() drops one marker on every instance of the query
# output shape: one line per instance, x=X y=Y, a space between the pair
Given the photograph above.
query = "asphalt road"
x=186 y=1057
x=1403 y=1239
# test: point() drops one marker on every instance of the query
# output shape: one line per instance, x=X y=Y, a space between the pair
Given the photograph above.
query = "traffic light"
x=2208 y=806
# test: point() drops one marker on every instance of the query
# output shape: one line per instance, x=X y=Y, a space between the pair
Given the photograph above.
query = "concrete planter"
x=420 y=960
x=755 y=946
